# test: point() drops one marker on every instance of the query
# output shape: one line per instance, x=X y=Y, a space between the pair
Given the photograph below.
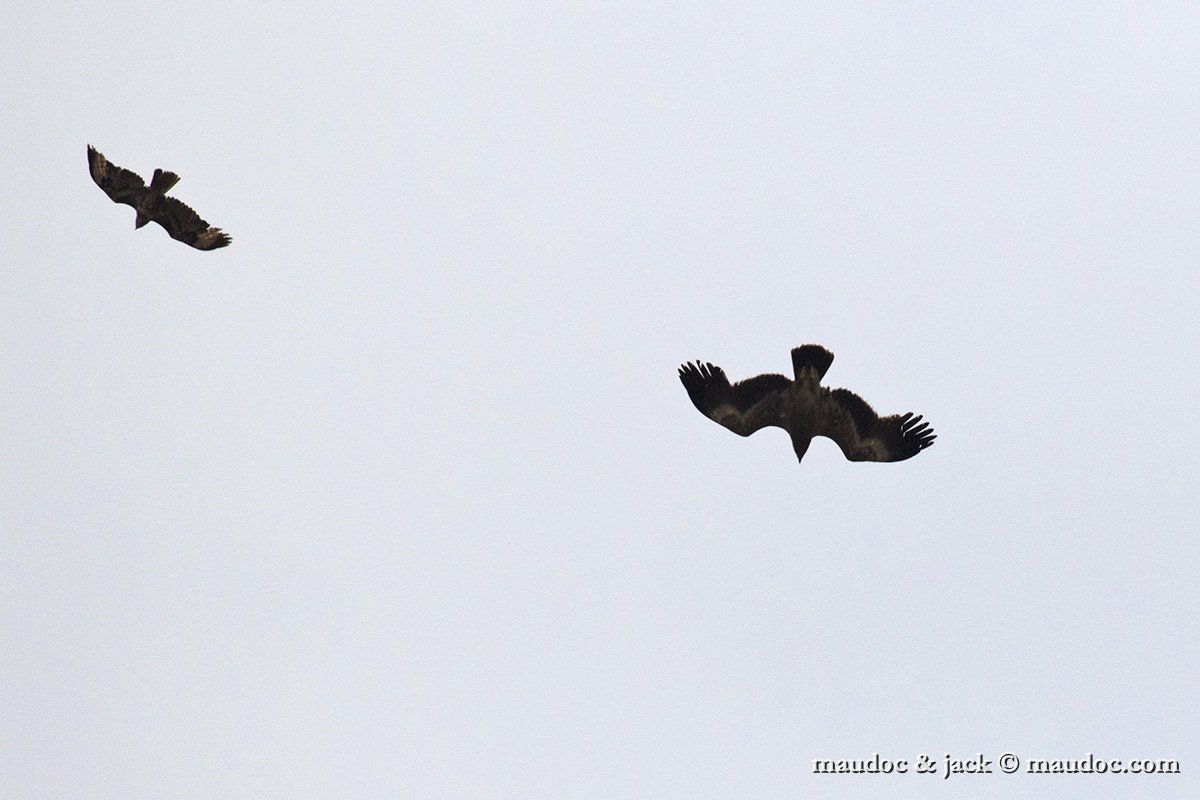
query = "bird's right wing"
x=744 y=407
x=185 y=225
x=863 y=435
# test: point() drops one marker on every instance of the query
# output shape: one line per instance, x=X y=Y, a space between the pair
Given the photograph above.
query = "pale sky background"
x=400 y=496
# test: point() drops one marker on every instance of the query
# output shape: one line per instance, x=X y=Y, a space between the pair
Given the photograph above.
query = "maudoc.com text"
x=1007 y=763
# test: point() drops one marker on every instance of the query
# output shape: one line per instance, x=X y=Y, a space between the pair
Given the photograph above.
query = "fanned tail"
x=163 y=181
x=811 y=357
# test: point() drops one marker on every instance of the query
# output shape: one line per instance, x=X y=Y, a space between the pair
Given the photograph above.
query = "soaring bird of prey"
x=804 y=408
x=152 y=204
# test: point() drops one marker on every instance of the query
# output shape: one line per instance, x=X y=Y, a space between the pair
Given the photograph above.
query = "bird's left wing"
x=120 y=184
x=865 y=436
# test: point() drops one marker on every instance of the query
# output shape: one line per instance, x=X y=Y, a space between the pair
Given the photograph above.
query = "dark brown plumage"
x=804 y=408
x=152 y=204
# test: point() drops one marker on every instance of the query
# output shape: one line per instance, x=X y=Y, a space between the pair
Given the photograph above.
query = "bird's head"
x=800 y=444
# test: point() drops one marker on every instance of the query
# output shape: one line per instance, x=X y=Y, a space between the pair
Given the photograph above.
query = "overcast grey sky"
x=400 y=496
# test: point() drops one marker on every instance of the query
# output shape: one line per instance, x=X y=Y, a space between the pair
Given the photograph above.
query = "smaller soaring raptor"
x=804 y=408
x=152 y=204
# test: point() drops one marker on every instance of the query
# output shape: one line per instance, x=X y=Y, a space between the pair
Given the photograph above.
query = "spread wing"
x=184 y=224
x=744 y=407
x=121 y=185
x=865 y=436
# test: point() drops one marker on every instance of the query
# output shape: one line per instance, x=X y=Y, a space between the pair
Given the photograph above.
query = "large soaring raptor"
x=804 y=408
x=152 y=204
